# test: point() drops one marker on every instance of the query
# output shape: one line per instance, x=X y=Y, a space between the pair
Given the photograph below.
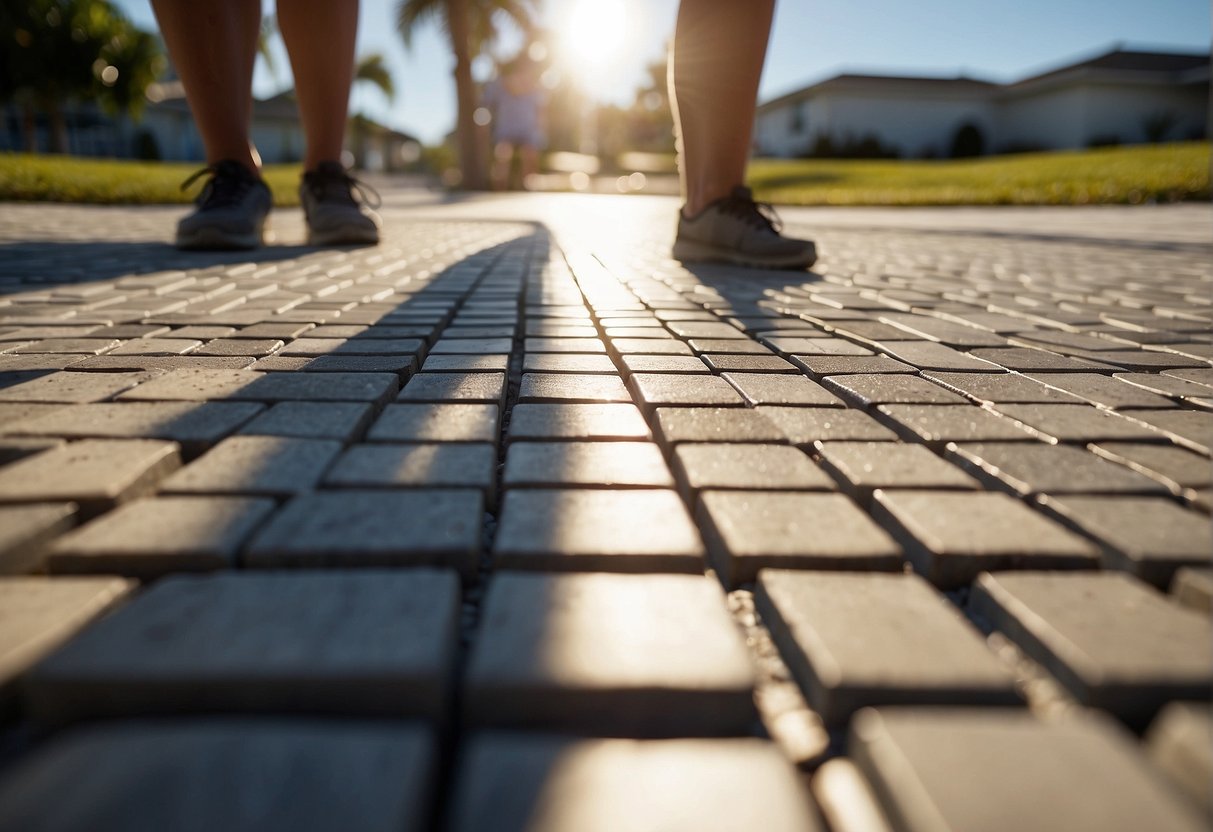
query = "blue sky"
x=811 y=40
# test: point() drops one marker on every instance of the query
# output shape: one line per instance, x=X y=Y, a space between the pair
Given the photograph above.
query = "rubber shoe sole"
x=218 y=239
x=693 y=252
x=343 y=235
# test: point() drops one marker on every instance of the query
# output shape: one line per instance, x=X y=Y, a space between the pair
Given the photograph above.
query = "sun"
x=594 y=36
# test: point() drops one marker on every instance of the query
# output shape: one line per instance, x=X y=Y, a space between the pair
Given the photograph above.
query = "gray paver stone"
x=483 y=388
x=194 y=424
x=373 y=528
x=665 y=364
x=845 y=799
x=258 y=348
x=1080 y=423
x=636 y=530
x=849 y=642
x=577 y=421
x=1193 y=587
x=1171 y=465
x=1190 y=428
x=1115 y=643
x=25 y=532
x=715 y=424
x=616 y=655
x=164 y=363
x=566 y=363
x=97 y=474
x=998 y=770
x=596 y=464
x=761 y=389
x=605 y=785
x=937 y=424
x=1009 y=388
x=746 y=531
x=806 y=425
x=890 y=388
x=1102 y=390
x=1027 y=359
x=375 y=777
x=831 y=365
x=343 y=421
x=929 y=355
x=498 y=363
x=1180 y=743
x=951 y=537
x=436 y=423
x=460 y=465
x=1149 y=537
x=655 y=390
x=351 y=643
x=736 y=466
x=258 y=465
x=763 y=365
x=73 y=388
x=39 y=613
x=564 y=387
x=1036 y=468
x=153 y=537
x=863 y=467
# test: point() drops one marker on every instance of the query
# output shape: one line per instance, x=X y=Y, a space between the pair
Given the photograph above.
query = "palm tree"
x=57 y=52
x=470 y=25
x=372 y=69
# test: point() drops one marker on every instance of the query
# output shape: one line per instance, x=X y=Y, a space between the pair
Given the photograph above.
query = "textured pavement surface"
x=511 y=523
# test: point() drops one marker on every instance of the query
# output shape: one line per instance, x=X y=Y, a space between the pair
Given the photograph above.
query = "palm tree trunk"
x=29 y=127
x=58 y=127
x=465 y=95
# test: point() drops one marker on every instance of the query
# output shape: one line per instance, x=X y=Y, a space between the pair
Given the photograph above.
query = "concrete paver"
x=1115 y=643
x=526 y=386
x=998 y=770
x=239 y=643
x=613 y=655
x=597 y=785
x=375 y=774
x=848 y=641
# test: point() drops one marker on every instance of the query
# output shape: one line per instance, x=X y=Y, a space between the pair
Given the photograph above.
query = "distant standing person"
x=213 y=45
x=518 y=103
x=719 y=49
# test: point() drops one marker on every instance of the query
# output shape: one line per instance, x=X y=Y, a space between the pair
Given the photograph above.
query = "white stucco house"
x=1118 y=97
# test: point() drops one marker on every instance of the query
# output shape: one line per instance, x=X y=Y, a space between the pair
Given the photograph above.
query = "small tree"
x=59 y=51
x=1156 y=126
x=968 y=142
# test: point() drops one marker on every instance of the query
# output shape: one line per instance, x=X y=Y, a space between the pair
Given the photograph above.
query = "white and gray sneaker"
x=738 y=230
x=232 y=209
x=334 y=205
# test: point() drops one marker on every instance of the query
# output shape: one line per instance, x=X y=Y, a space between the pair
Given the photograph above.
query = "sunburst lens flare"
x=594 y=37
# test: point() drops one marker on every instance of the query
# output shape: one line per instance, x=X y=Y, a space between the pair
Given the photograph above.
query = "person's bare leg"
x=503 y=159
x=719 y=48
x=319 y=37
x=213 y=45
x=530 y=164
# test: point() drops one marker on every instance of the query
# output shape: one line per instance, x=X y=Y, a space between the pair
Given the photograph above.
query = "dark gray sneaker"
x=738 y=230
x=232 y=209
x=334 y=205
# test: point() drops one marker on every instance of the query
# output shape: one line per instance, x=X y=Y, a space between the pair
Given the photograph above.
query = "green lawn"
x=1160 y=173
x=72 y=179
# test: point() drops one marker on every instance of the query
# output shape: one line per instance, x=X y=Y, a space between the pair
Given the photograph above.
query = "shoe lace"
x=229 y=183
x=330 y=183
x=741 y=204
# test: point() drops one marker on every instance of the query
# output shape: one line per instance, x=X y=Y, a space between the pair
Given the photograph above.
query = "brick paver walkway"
x=416 y=536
